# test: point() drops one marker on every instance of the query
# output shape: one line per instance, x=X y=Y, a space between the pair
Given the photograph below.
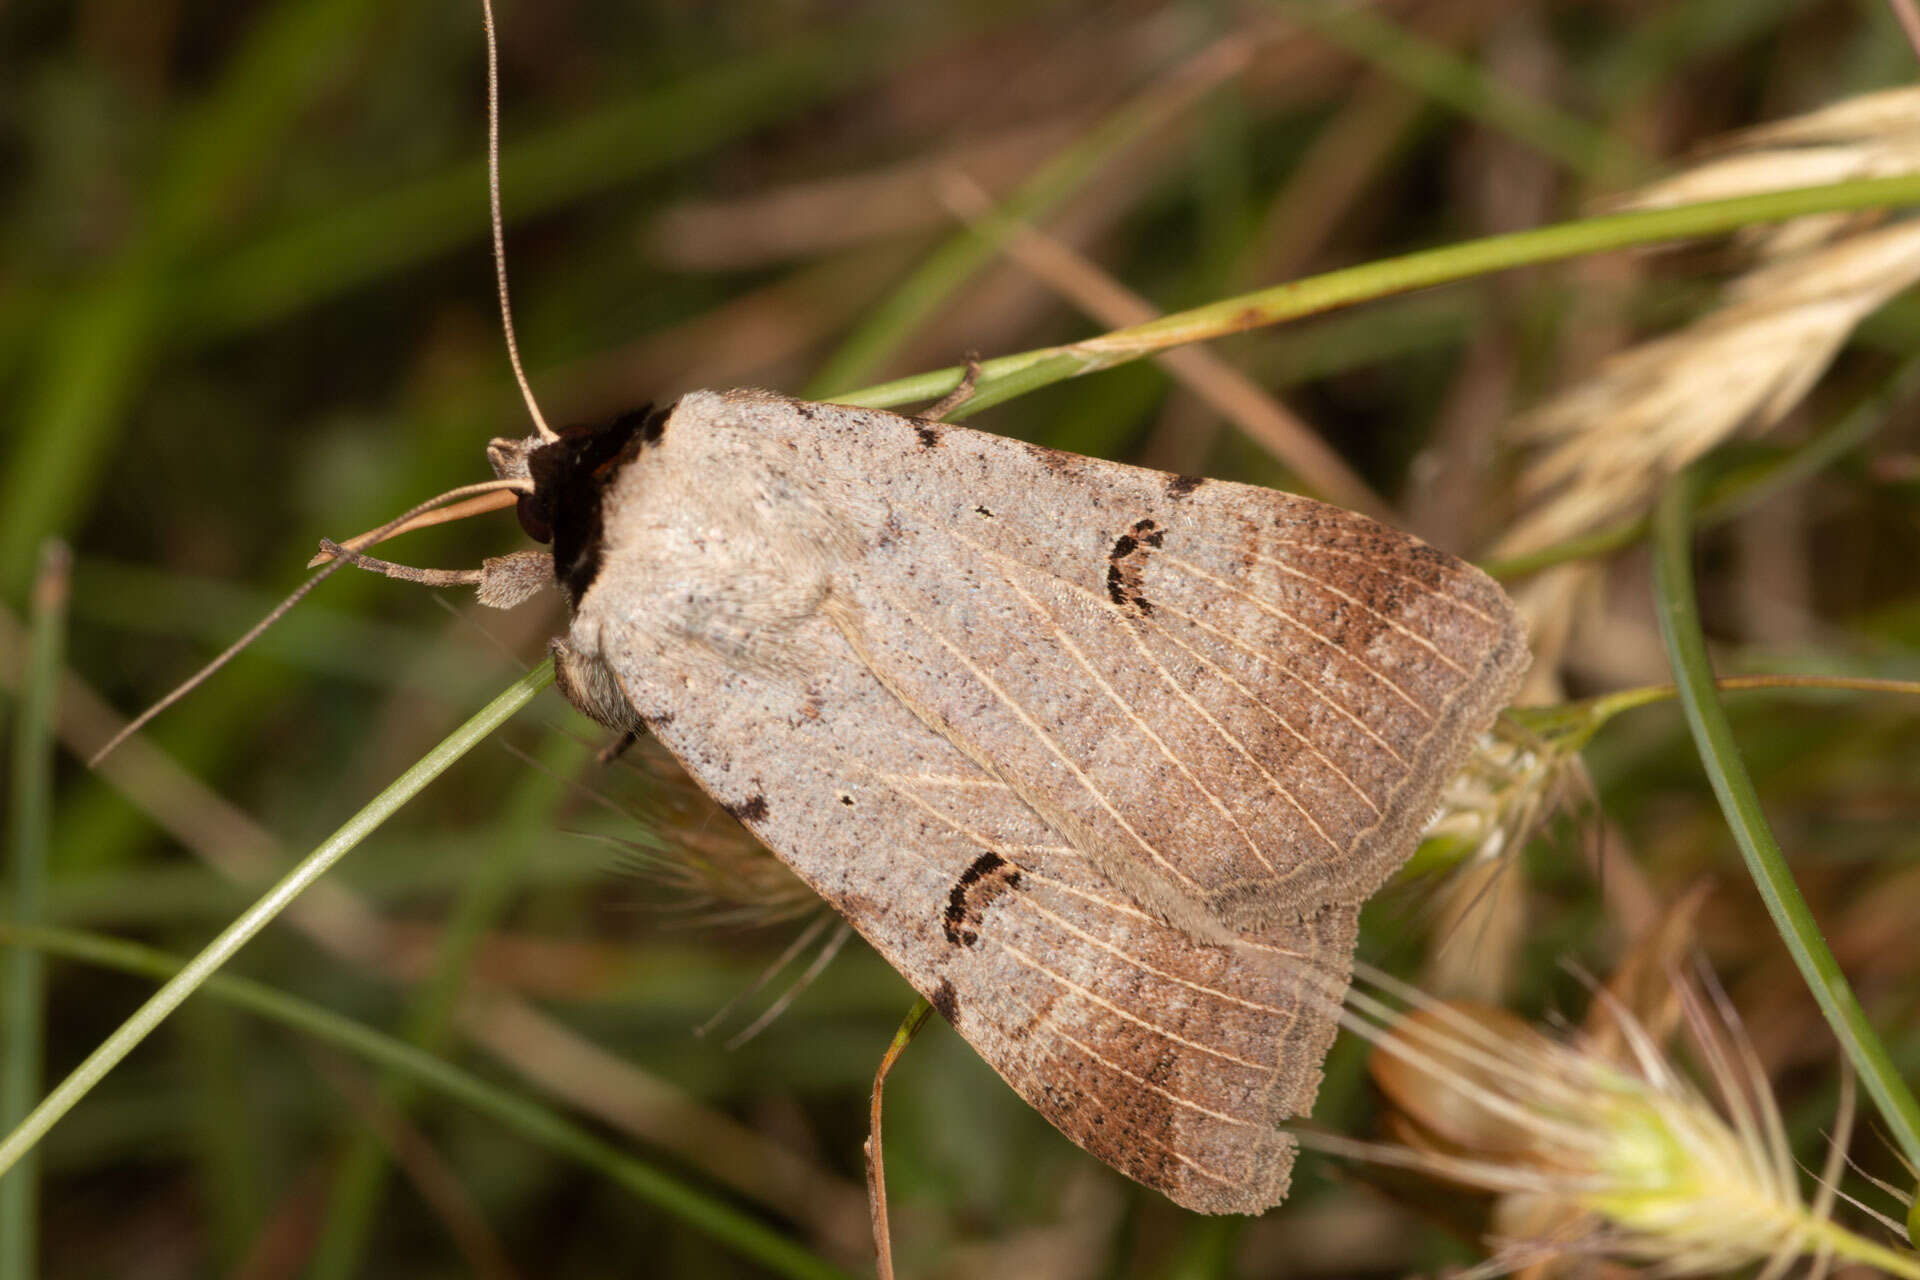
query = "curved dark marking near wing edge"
x=570 y=478
x=1125 y=561
x=989 y=876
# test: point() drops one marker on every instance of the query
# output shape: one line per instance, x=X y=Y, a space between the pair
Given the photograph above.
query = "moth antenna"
x=227 y=655
x=294 y=597
x=499 y=231
x=493 y=496
x=402 y=522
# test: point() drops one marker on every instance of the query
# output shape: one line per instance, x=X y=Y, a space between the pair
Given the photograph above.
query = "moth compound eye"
x=533 y=518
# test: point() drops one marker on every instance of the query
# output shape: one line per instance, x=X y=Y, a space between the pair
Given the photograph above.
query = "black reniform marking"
x=752 y=809
x=1125 y=560
x=989 y=876
x=1181 y=486
x=570 y=478
x=928 y=432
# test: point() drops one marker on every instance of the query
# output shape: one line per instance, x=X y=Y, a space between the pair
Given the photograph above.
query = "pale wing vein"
x=1290 y=1015
x=1106 y=608
x=1395 y=623
x=1267 y=607
x=1139 y=723
x=1094 y=997
x=1345 y=712
x=1061 y=922
x=1034 y=727
x=1254 y=699
x=1117 y=908
x=1151 y=1087
x=1172 y=1151
x=932 y=780
x=1374 y=563
x=1233 y=740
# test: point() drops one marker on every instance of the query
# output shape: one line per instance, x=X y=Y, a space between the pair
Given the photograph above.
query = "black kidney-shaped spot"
x=985 y=879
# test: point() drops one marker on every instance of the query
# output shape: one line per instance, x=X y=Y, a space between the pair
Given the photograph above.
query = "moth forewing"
x=1103 y=760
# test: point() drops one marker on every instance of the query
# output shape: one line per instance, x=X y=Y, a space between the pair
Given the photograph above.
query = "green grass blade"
x=540 y=1125
x=29 y=833
x=136 y=1028
x=1013 y=375
x=1720 y=756
x=484 y=895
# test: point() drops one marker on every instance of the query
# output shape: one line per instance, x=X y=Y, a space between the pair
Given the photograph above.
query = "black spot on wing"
x=929 y=433
x=985 y=879
x=1181 y=486
x=1125 y=561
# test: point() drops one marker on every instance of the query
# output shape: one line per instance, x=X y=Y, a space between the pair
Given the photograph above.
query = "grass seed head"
x=1602 y=446
x=1872 y=135
x=1596 y=1146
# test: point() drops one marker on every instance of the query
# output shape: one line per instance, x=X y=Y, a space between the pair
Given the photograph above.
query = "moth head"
x=566 y=478
x=508 y=458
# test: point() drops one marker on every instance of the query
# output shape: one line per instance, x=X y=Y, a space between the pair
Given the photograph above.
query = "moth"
x=1103 y=760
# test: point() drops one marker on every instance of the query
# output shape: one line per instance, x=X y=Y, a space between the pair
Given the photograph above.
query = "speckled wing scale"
x=1103 y=760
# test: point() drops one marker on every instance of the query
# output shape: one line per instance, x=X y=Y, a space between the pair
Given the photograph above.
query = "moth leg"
x=617 y=748
x=959 y=395
x=507 y=580
x=590 y=686
x=403 y=572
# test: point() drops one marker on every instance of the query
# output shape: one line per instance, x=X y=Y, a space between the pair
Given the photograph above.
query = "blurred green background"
x=246 y=301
